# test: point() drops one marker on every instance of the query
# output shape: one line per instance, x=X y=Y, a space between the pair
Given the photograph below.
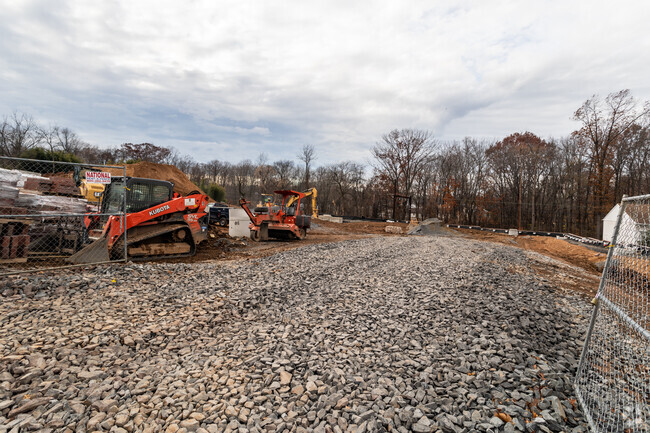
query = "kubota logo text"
x=157 y=211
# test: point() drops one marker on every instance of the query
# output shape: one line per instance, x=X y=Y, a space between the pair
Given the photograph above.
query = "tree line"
x=522 y=181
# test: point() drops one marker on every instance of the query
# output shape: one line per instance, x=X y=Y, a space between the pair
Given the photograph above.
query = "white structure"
x=330 y=218
x=629 y=233
x=239 y=222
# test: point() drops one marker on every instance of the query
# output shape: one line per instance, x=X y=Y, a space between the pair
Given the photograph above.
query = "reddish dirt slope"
x=151 y=170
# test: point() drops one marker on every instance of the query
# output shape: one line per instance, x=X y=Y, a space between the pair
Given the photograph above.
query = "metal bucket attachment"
x=93 y=253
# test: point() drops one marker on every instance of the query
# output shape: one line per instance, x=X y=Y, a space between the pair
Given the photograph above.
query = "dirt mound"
x=182 y=184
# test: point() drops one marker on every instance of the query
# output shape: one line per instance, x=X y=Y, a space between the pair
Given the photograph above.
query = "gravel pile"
x=392 y=334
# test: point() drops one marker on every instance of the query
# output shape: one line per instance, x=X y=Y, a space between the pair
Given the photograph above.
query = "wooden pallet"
x=9 y=261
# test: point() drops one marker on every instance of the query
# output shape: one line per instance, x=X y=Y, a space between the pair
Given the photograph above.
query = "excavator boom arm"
x=244 y=205
x=310 y=192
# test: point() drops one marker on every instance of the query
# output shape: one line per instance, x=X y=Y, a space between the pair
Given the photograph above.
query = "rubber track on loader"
x=140 y=233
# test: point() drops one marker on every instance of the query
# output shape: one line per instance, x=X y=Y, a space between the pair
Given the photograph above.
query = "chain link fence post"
x=123 y=224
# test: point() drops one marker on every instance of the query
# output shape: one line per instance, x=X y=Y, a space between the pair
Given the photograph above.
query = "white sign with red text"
x=98 y=177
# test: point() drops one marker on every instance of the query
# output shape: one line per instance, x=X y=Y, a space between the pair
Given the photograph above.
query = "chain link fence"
x=51 y=214
x=613 y=377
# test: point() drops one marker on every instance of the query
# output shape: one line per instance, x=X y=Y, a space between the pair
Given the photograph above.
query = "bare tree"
x=519 y=161
x=307 y=156
x=218 y=171
x=285 y=171
x=244 y=175
x=603 y=124
x=147 y=152
x=68 y=140
x=637 y=169
x=265 y=173
x=341 y=177
x=94 y=154
x=48 y=137
x=400 y=157
x=18 y=134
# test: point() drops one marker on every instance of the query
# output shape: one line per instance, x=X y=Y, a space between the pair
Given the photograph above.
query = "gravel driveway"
x=399 y=334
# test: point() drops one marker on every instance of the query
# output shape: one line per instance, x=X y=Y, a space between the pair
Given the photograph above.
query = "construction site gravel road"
x=422 y=334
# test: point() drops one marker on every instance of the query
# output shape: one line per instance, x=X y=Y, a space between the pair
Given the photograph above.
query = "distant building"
x=630 y=232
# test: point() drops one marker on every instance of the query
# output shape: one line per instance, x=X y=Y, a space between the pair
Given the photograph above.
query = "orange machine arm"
x=244 y=205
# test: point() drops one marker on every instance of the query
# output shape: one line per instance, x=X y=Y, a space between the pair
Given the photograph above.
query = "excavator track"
x=151 y=243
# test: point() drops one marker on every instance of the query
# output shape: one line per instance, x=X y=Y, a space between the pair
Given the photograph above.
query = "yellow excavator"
x=91 y=191
x=310 y=192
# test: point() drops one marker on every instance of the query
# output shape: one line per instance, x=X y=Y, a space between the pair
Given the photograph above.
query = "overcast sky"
x=229 y=80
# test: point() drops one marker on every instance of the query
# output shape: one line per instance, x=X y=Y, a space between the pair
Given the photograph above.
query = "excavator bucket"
x=92 y=253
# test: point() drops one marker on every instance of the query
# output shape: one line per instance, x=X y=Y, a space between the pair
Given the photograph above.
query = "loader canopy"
x=141 y=194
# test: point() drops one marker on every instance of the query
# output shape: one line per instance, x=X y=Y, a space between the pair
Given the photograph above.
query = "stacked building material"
x=14 y=240
x=40 y=184
x=55 y=235
x=36 y=215
x=8 y=189
x=8 y=194
x=22 y=193
x=64 y=186
x=18 y=177
x=50 y=204
x=11 y=177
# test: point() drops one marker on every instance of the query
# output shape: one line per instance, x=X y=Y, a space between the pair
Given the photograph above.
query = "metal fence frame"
x=13 y=163
x=612 y=381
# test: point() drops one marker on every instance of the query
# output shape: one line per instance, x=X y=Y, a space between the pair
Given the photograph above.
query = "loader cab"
x=141 y=194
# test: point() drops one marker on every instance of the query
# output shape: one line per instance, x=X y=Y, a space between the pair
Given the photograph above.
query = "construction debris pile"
x=460 y=337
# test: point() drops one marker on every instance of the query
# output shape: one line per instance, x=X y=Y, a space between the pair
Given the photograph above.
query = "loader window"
x=160 y=193
x=114 y=199
x=144 y=195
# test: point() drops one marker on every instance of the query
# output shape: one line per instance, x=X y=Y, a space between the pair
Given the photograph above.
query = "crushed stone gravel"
x=421 y=334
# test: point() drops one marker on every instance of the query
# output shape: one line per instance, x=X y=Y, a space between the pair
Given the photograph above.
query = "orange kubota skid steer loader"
x=159 y=222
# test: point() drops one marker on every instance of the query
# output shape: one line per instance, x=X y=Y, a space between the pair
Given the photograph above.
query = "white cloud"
x=270 y=76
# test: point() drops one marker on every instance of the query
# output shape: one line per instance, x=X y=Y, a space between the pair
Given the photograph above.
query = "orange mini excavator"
x=159 y=222
x=281 y=222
